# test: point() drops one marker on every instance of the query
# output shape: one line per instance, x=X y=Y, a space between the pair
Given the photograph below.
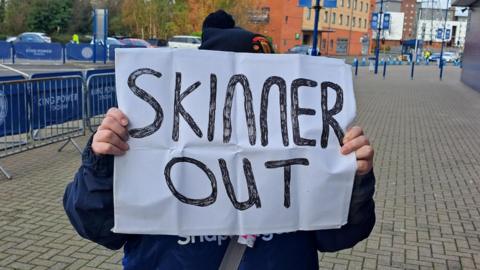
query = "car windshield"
x=299 y=49
x=30 y=38
x=112 y=41
x=139 y=42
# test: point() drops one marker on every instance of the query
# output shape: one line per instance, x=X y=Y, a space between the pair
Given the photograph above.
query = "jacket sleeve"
x=88 y=200
x=361 y=218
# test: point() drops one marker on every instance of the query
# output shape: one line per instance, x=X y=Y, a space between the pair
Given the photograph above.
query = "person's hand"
x=112 y=135
x=355 y=141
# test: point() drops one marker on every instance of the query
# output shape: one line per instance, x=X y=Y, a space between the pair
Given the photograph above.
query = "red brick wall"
x=353 y=38
x=285 y=23
x=409 y=9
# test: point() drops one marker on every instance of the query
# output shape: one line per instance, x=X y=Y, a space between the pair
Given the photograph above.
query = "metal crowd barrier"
x=40 y=111
x=99 y=98
x=57 y=110
x=14 y=123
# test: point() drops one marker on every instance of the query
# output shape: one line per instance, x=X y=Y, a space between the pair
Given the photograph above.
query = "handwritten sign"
x=228 y=144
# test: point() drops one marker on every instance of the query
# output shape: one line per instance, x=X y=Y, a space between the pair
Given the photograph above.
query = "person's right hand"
x=112 y=135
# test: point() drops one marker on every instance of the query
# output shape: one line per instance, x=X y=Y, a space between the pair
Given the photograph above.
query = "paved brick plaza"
x=427 y=139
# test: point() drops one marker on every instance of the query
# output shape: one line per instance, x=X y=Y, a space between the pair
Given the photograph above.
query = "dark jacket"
x=88 y=201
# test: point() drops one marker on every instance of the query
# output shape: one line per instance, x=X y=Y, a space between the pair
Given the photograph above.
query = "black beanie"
x=220 y=34
x=219 y=19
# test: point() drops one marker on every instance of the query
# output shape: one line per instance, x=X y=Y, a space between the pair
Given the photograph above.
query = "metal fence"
x=100 y=97
x=40 y=111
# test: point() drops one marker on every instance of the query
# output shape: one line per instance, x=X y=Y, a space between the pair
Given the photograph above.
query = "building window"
x=342 y=45
x=341 y=19
x=286 y=19
x=331 y=43
x=365 y=23
x=361 y=6
x=348 y=20
x=353 y=21
x=348 y=3
x=366 y=7
x=359 y=22
x=355 y=4
x=324 y=43
x=325 y=19
x=334 y=17
x=342 y=3
x=309 y=14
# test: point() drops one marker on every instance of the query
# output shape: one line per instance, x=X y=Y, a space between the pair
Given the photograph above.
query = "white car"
x=447 y=57
x=185 y=42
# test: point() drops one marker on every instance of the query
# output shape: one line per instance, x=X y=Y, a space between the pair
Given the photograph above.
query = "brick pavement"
x=427 y=139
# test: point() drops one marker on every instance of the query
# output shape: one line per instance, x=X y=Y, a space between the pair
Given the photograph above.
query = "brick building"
x=284 y=23
x=409 y=8
x=344 y=30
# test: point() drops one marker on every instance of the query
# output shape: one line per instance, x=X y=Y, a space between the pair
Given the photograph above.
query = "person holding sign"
x=88 y=200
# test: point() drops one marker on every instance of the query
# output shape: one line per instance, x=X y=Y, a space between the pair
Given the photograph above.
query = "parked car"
x=301 y=49
x=136 y=42
x=110 y=41
x=34 y=37
x=158 y=42
x=185 y=42
x=447 y=56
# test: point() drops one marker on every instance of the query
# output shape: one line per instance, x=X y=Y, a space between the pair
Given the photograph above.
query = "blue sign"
x=102 y=95
x=329 y=3
x=56 y=101
x=79 y=52
x=439 y=33
x=386 y=21
x=39 y=51
x=447 y=34
x=305 y=3
x=5 y=50
x=101 y=83
x=13 y=109
x=374 y=22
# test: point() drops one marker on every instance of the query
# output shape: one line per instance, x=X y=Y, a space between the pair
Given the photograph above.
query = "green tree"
x=2 y=11
x=155 y=18
x=115 y=19
x=81 y=20
x=49 y=16
x=15 y=13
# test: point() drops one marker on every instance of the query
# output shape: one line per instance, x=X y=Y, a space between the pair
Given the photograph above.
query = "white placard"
x=231 y=144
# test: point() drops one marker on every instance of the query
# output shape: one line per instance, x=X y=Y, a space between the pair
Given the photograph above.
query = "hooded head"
x=220 y=34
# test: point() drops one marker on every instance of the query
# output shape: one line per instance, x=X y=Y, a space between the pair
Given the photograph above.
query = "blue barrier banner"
x=11 y=78
x=13 y=109
x=102 y=94
x=38 y=51
x=100 y=52
x=79 y=52
x=56 y=101
x=97 y=71
x=56 y=74
x=5 y=50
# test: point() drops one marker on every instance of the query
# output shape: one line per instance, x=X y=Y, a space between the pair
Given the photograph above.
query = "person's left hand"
x=355 y=141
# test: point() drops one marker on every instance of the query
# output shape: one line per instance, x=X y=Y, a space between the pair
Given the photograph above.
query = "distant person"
x=75 y=39
x=88 y=200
